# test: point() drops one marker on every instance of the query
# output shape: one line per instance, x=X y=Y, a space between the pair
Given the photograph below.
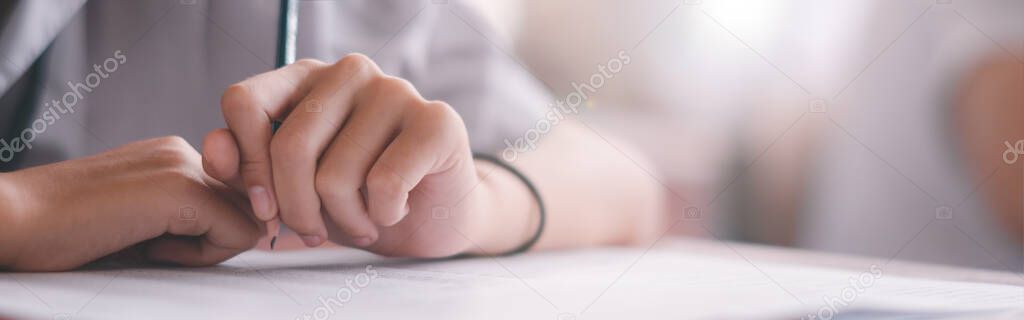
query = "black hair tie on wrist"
x=533 y=190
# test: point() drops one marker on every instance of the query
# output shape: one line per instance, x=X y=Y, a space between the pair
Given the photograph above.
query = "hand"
x=360 y=158
x=152 y=193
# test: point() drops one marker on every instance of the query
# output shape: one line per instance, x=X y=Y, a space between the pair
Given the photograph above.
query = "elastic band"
x=533 y=190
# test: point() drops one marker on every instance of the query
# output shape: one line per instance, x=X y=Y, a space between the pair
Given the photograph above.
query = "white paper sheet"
x=588 y=284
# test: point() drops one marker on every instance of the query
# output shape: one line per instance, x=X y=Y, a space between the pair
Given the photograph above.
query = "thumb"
x=220 y=158
x=222 y=161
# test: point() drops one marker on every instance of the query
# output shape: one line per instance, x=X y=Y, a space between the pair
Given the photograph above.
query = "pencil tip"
x=273 y=241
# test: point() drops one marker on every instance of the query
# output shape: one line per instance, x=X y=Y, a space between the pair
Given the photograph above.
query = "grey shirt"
x=118 y=71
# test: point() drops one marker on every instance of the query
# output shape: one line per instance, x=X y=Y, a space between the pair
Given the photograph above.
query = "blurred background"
x=857 y=126
x=881 y=128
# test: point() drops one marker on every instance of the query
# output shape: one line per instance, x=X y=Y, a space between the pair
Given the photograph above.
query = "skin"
x=153 y=193
x=988 y=113
x=361 y=160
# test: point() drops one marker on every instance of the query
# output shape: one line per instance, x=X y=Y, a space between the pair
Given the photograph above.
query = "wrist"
x=509 y=211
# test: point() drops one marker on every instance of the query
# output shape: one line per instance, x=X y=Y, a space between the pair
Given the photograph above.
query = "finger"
x=188 y=251
x=220 y=161
x=426 y=145
x=344 y=166
x=303 y=137
x=249 y=107
x=210 y=232
x=220 y=158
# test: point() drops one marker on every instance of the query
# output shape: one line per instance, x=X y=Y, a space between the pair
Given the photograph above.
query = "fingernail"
x=260 y=200
x=363 y=241
x=312 y=241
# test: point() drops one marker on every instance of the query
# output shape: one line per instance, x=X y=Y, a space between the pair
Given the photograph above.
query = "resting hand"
x=153 y=193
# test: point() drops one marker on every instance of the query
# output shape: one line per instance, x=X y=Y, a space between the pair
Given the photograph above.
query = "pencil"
x=287 y=28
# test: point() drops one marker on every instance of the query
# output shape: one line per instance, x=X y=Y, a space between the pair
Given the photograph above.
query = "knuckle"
x=393 y=93
x=355 y=62
x=443 y=118
x=237 y=98
x=174 y=151
x=399 y=91
x=390 y=84
x=384 y=183
x=328 y=183
x=439 y=112
x=310 y=67
x=174 y=142
x=310 y=64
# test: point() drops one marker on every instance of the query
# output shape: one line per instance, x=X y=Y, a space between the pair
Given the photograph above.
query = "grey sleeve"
x=496 y=96
x=445 y=50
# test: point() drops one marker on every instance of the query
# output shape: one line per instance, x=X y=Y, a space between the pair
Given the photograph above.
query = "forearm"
x=9 y=220
x=593 y=192
x=987 y=115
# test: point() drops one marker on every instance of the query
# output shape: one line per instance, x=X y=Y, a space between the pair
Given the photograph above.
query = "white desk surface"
x=840 y=261
x=679 y=278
